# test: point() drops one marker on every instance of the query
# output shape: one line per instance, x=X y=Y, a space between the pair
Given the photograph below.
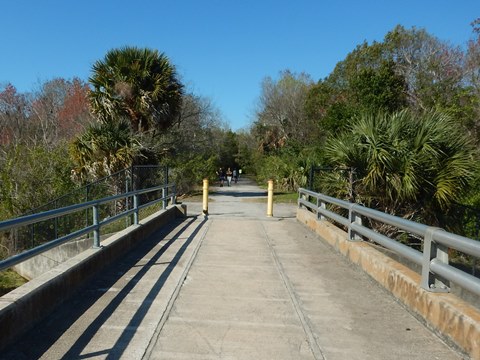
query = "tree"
x=14 y=111
x=104 y=149
x=432 y=69
x=138 y=84
x=32 y=176
x=472 y=79
x=378 y=89
x=35 y=128
x=246 y=151
x=366 y=80
x=406 y=164
x=60 y=110
x=74 y=115
x=281 y=114
x=190 y=147
x=329 y=108
x=228 y=150
x=194 y=130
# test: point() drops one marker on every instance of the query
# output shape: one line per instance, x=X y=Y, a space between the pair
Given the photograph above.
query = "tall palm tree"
x=139 y=84
x=409 y=165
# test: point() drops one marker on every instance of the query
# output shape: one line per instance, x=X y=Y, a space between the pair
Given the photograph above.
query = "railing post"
x=164 y=197
x=135 y=209
x=353 y=217
x=205 y=197
x=127 y=199
x=310 y=180
x=432 y=250
x=174 y=194
x=323 y=206
x=270 y=199
x=86 y=210
x=56 y=220
x=96 y=230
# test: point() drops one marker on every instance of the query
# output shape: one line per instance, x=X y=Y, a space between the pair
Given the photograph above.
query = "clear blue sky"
x=222 y=48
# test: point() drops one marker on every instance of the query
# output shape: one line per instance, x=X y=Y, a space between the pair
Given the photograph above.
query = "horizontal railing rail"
x=436 y=274
x=168 y=193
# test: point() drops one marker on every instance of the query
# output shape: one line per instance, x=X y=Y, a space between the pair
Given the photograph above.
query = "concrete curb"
x=23 y=307
x=456 y=321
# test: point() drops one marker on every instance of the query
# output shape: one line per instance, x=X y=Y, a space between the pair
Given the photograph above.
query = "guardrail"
x=436 y=271
x=168 y=193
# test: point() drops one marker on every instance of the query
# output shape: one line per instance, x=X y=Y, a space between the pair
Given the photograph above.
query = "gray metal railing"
x=436 y=271
x=168 y=193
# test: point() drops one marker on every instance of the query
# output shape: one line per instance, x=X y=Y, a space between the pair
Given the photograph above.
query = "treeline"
x=395 y=126
x=35 y=130
x=134 y=110
x=397 y=123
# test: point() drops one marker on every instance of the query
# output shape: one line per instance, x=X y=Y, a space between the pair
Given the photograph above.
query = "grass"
x=192 y=196
x=10 y=280
x=285 y=197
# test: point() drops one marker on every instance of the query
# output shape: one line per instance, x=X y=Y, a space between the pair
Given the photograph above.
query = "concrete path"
x=237 y=285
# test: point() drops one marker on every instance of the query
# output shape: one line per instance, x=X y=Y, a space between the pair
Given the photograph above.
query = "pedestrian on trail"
x=229 y=176
x=221 y=176
x=235 y=175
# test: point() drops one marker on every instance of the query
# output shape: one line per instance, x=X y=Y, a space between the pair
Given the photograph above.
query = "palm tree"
x=408 y=165
x=139 y=84
x=104 y=149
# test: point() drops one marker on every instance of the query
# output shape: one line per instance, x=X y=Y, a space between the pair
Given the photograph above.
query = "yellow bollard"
x=270 y=199
x=205 y=197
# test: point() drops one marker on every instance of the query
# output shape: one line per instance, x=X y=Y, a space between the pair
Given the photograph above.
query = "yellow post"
x=205 y=196
x=270 y=199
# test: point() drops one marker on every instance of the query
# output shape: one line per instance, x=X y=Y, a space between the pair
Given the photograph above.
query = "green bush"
x=188 y=174
x=289 y=168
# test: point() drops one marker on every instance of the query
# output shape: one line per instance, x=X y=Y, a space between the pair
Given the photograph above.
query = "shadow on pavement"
x=239 y=193
x=37 y=341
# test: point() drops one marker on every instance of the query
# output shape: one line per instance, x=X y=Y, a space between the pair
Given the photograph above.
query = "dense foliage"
x=396 y=122
x=405 y=164
x=394 y=126
x=138 y=84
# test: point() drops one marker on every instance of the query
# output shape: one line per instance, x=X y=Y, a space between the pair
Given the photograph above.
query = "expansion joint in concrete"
x=307 y=328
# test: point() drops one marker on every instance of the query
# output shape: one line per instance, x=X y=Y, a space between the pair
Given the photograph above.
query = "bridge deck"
x=237 y=285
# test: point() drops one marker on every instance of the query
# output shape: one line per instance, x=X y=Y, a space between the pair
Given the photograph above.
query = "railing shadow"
x=35 y=343
x=245 y=194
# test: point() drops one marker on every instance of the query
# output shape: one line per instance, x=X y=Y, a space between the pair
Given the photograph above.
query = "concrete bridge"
x=233 y=285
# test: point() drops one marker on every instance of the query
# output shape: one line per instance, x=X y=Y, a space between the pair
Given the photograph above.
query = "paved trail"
x=235 y=285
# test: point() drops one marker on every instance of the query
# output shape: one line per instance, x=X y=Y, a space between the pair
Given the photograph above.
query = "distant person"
x=229 y=176
x=221 y=176
x=235 y=175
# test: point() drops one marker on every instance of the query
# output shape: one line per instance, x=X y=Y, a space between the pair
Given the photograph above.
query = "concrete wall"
x=452 y=318
x=46 y=261
x=25 y=306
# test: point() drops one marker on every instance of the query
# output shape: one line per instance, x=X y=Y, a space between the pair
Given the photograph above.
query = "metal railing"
x=168 y=192
x=136 y=177
x=436 y=272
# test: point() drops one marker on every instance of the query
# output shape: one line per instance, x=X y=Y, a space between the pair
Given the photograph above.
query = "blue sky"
x=222 y=48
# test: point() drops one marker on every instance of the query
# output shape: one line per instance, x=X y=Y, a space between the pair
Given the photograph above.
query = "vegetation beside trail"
x=10 y=280
x=395 y=126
